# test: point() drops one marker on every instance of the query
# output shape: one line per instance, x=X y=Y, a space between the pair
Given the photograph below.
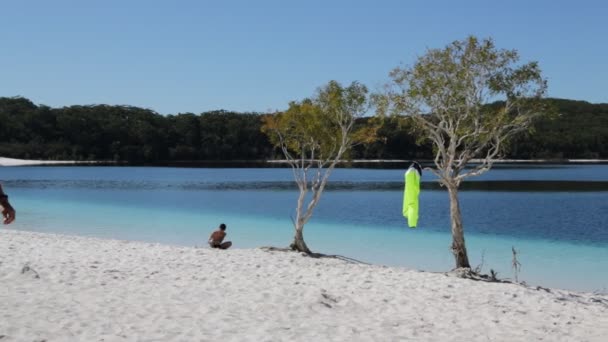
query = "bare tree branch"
x=449 y=92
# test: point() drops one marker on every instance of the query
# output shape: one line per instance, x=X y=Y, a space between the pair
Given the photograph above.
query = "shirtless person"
x=8 y=213
x=216 y=238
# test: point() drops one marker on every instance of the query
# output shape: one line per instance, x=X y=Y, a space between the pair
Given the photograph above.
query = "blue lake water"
x=555 y=216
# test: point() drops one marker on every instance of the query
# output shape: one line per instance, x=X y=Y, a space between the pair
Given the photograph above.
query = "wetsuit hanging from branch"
x=410 y=195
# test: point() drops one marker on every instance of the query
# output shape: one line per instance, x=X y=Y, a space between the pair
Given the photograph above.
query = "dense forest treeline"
x=138 y=135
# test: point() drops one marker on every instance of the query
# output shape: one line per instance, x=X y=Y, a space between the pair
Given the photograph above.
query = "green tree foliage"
x=396 y=138
x=448 y=93
x=125 y=133
x=578 y=130
x=314 y=135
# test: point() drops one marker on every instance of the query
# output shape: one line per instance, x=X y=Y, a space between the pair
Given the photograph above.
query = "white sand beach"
x=33 y=162
x=67 y=288
x=25 y=162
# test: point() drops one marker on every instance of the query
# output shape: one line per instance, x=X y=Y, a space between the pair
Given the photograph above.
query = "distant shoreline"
x=277 y=162
x=473 y=161
x=33 y=162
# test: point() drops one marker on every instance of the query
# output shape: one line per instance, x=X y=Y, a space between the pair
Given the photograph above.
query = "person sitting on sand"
x=216 y=238
x=8 y=213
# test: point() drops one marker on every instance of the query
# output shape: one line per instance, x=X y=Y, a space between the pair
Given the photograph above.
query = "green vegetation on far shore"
x=137 y=135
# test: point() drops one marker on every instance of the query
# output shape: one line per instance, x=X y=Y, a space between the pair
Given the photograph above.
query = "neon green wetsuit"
x=410 y=196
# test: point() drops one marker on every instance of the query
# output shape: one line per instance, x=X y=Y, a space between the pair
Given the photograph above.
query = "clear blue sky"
x=193 y=56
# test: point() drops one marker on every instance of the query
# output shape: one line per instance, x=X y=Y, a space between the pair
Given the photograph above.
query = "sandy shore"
x=25 y=162
x=66 y=288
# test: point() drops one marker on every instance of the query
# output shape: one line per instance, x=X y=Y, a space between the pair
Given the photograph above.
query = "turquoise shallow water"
x=560 y=235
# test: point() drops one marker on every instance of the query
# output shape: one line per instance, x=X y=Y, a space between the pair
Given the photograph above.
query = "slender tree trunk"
x=458 y=246
x=298 y=241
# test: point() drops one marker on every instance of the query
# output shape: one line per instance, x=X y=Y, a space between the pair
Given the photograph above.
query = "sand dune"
x=66 y=288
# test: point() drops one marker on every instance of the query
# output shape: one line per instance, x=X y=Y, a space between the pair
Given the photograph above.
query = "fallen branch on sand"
x=467 y=273
x=314 y=255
